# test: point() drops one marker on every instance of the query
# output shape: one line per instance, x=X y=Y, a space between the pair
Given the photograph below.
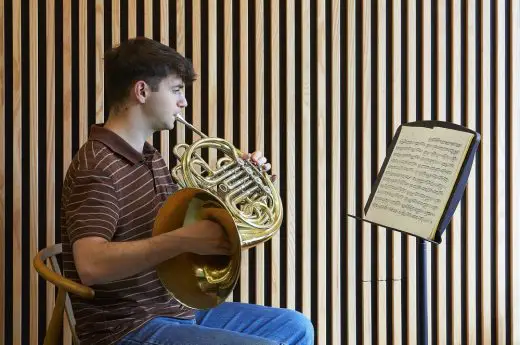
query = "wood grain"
x=116 y=22
x=515 y=151
x=306 y=288
x=321 y=150
x=164 y=38
x=259 y=128
x=33 y=174
x=17 y=177
x=83 y=73
x=3 y=130
x=181 y=49
x=100 y=97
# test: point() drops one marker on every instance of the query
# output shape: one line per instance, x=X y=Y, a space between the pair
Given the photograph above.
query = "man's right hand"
x=204 y=238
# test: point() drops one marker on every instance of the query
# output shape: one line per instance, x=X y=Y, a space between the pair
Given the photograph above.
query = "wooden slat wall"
x=319 y=86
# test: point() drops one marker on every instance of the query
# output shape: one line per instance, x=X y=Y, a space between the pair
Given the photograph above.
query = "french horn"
x=235 y=193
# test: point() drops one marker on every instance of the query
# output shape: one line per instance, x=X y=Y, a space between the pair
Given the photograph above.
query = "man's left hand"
x=258 y=159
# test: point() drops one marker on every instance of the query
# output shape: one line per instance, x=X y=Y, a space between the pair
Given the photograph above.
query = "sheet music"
x=419 y=178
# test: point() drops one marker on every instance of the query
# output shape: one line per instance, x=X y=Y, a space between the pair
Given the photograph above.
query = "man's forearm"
x=111 y=261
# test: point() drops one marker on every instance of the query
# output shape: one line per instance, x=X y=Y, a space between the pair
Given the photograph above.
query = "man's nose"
x=183 y=103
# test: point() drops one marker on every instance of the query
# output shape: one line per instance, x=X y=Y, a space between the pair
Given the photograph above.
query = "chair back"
x=65 y=286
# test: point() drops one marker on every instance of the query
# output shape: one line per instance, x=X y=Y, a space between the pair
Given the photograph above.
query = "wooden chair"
x=53 y=335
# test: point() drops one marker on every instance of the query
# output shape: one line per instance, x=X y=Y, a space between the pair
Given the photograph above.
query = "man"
x=113 y=190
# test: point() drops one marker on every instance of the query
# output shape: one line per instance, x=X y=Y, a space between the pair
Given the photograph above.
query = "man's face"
x=162 y=105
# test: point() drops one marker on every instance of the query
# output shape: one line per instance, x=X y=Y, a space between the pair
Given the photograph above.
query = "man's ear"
x=141 y=91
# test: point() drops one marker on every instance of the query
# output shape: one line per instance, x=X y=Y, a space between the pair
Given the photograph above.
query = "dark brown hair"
x=142 y=59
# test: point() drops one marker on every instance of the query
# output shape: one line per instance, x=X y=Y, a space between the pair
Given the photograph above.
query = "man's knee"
x=302 y=324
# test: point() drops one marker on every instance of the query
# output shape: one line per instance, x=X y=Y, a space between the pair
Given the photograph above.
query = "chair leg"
x=54 y=335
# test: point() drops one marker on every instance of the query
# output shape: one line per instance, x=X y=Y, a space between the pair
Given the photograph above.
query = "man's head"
x=148 y=75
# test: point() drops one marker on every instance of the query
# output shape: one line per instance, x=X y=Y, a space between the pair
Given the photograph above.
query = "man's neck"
x=129 y=128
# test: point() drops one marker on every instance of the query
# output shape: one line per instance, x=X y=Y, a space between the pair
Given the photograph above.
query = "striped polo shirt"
x=113 y=191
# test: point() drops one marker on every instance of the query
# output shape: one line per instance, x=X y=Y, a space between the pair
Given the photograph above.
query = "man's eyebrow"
x=180 y=85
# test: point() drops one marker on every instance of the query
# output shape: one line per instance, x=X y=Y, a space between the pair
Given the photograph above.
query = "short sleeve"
x=92 y=207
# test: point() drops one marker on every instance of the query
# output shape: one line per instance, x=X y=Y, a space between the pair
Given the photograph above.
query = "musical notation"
x=418 y=177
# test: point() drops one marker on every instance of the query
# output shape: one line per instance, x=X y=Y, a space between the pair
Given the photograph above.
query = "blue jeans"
x=227 y=324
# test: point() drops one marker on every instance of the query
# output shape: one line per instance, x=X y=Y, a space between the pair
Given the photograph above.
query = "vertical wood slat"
x=164 y=39
x=471 y=298
x=366 y=162
x=289 y=208
x=485 y=274
x=412 y=107
x=427 y=87
x=100 y=110
x=17 y=177
x=515 y=170
x=441 y=107
x=116 y=22
x=212 y=99
x=132 y=18
x=396 y=112
x=306 y=167
x=321 y=150
x=456 y=108
x=351 y=179
x=67 y=113
x=244 y=98
x=33 y=174
x=259 y=127
x=180 y=47
x=382 y=278
x=197 y=62
x=51 y=146
x=500 y=171
x=335 y=248
x=228 y=78
x=275 y=141
x=3 y=170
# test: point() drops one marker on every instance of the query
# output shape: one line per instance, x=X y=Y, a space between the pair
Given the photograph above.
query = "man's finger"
x=256 y=155
x=267 y=166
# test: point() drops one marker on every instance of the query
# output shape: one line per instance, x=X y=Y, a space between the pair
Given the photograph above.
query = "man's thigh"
x=278 y=324
x=168 y=331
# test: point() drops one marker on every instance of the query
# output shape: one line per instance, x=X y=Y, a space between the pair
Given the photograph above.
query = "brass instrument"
x=235 y=193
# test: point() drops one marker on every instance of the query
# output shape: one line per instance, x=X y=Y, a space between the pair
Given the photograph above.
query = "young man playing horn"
x=112 y=192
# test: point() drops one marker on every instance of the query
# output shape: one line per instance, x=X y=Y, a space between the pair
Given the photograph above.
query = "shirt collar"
x=118 y=144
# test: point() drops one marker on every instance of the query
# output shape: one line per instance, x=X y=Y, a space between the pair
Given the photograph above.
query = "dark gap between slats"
x=251 y=128
x=314 y=164
x=449 y=117
x=204 y=98
x=8 y=89
x=107 y=44
x=156 y=34
x=374 y=238
x=42 y=158
x=26 y=170
x=91 y=64
x=139 y=18
x=221 y=74
x=435 y=110
x=389 y=136
x=464 y=202
x=359 y=171
x=268 y=137
x=300 y=156
x=329 y=148
x=123 y=20
x=344 y=178
x=508 y=170
x=236 y=97
x=74 y=71
x=283 y=154
x=188 y=22
x=404 y=118
x=58 y=134
x=478 y=175
x=493 y=170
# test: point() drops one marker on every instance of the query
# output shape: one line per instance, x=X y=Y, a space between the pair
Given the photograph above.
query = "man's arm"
x=99 y=261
